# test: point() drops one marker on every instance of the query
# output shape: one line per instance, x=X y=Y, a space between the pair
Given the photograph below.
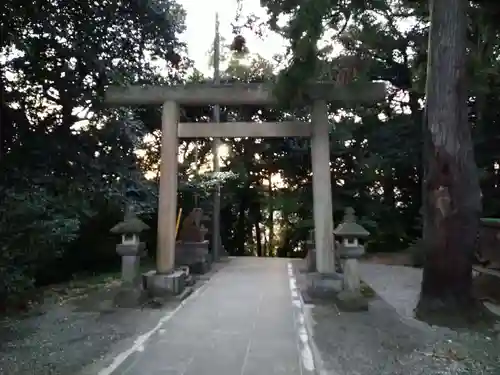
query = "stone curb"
x=309 y=325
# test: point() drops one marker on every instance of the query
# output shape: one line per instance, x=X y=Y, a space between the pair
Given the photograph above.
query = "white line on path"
x=306 y=353
x=141 y=340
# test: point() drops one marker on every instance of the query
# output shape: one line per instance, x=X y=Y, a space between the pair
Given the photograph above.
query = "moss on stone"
x=367 y=291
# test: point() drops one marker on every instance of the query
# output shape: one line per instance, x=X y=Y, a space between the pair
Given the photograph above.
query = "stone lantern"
x=131 y=249
x=350 y=233
x=350 y=250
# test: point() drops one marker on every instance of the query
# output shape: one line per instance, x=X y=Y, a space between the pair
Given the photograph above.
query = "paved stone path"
x=243 y=322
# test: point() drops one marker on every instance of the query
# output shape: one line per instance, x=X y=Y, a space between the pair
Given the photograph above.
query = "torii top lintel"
x=240 y=93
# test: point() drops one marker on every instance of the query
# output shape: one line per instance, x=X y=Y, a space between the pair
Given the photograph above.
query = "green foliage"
x=306 y=26
x=205 y=185
x=63 y=158
x=35 y=225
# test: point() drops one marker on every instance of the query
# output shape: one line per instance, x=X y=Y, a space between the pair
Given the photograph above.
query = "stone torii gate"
x=171 y=97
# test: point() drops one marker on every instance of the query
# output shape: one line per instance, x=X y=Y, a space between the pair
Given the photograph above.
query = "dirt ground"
x=386 y=339
x=393 y=259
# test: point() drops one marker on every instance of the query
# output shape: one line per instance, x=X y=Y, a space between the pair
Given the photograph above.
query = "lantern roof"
x=131 y=224
x=349 y=228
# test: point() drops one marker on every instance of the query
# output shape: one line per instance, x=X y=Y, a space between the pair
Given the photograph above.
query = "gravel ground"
x=76 y=337
x=79 y=336
x=65 y=339
x=384 y=340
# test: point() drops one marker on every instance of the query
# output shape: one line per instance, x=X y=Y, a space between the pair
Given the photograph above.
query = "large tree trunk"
x=451 y=192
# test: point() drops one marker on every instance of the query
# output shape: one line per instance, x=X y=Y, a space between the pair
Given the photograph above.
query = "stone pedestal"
x=130 y=292
x=131 y=262
x=352 y=281
x=131 y=266
x=164 y=285
x=195 y=255
x=350 y=298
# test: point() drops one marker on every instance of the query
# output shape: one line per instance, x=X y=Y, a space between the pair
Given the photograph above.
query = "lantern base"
x=162 y=285
x=351 y=301
x=321 y=282
x=351 y=252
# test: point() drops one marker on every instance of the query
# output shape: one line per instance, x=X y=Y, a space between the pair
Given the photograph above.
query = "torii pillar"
x=167 y=205
x=166 y=279
x=322 y=189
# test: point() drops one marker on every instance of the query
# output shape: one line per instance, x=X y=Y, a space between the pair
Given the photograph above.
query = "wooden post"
x=322 y=189
x=167 y=207
x=178 y=222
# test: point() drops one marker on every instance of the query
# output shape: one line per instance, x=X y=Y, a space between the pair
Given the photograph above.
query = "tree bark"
x=270 y=243
x=256 y=218
x=258 y=239
x=241 y=226
x=451 y=192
